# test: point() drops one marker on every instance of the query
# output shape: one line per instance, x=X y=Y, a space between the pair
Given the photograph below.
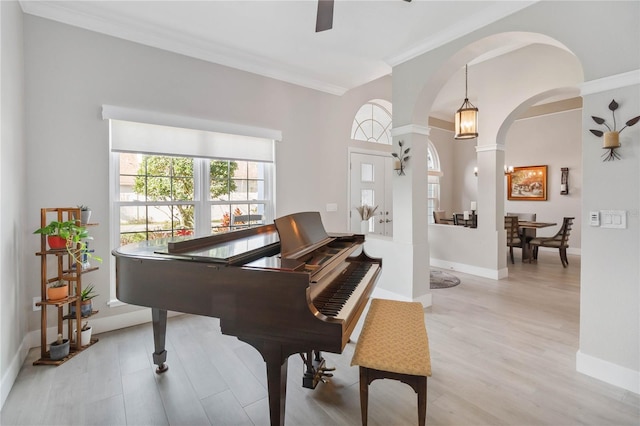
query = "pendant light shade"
x=466 y=120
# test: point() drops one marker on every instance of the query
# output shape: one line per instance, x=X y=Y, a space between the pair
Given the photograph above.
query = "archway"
x=504 y=86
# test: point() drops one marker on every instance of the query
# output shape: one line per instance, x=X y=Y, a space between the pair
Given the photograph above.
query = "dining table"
x=529 y=232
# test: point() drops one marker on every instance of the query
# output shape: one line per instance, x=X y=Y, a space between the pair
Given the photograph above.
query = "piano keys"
x=284 y=288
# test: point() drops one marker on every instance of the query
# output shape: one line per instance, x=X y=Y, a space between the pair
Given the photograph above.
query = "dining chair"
x=439 y=215
x=559 y=241
x=513 y=239
x=525 y=233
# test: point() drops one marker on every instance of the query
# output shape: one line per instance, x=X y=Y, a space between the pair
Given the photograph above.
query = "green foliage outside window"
x=166 y=179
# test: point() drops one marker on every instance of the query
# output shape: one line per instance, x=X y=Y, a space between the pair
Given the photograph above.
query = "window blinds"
x=147 y=132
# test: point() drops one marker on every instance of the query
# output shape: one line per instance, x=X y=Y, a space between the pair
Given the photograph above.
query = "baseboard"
x=102 y=324
x=494 y=274
x=608 y=372
x=9 y=377
x=380 y=293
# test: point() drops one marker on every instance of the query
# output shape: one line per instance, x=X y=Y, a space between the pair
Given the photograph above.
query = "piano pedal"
x=315 y=372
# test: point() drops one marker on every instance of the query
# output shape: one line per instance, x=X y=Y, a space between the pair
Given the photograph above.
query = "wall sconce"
x=475 y=171
x=612 y=137
x=564 y=181
x=466 y=118
x=401 y=159
x=508 y=170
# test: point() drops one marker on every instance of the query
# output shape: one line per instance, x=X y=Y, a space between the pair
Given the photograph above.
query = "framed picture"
x=527 y=184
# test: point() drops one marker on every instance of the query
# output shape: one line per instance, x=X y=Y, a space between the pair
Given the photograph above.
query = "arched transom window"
x=372 y=122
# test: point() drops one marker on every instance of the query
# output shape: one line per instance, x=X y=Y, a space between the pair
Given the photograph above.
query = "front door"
x=371 y=185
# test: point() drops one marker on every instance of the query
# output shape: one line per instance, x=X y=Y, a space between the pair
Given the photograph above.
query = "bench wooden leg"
x=418 y=383
x=364 y=394
x=422 y=400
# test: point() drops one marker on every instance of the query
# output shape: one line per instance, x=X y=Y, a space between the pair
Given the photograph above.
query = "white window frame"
x=234 y=132
x=433 y=181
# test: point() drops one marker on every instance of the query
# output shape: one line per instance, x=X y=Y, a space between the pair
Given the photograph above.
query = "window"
x=190 y=177
x=433 y=184
x=372 y=122
x=159 y=196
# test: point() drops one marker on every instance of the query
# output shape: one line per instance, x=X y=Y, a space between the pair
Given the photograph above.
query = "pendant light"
x=466 y=121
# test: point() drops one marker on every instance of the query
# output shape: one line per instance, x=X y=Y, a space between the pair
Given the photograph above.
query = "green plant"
x=83 y=207
x=68 y=230
x=88 y=293
x=74 y=235
x=85 y=326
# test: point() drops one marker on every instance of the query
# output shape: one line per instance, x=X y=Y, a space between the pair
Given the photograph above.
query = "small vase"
x=57 y=293
x=85 y=336
x=364 y=227
x=86 y=308
x=56 y=242
x=59 y=351
x=84 y=217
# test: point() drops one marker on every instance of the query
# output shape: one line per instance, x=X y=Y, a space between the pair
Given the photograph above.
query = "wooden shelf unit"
x=58 y=265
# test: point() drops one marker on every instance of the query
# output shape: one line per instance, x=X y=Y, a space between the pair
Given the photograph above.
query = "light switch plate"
x=613 y=219
x=332 y=207
x=594 y=218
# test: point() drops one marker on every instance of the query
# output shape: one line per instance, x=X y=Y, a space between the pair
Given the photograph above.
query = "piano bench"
x=394 y=344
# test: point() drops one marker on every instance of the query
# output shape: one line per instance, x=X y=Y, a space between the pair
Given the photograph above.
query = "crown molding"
x=147 y=34
x=612 y=82
x=464 y=27
x=409 y=129
x=490 y=148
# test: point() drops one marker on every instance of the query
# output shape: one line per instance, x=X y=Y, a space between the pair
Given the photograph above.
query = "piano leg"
x=276 y=358
x=159 y=318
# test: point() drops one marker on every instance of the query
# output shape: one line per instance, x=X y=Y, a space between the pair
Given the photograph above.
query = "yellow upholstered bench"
x=393 y=344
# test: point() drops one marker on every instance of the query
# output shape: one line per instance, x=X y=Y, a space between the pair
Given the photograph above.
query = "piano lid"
x=300 y=233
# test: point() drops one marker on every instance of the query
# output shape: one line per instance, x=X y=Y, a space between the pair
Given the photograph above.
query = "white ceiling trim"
x=612 y=82
x=173 y=41
x=464 y=27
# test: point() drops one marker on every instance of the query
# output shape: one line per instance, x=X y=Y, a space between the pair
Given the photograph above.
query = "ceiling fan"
x=324 y=19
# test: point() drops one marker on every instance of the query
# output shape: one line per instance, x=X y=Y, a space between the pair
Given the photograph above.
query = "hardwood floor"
x=503 y=353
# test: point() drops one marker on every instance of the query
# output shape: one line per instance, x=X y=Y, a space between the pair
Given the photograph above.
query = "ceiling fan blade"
x=324 y=19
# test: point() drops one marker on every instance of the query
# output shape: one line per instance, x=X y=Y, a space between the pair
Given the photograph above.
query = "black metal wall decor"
x=401 y=159
x=612 y=136
x=564 y=181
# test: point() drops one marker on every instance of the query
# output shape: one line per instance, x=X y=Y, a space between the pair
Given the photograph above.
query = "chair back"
x=511 y=225
x=564 y=232
x=527 y=217
x=438 y=215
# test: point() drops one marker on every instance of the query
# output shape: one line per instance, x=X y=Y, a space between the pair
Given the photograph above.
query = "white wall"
x=16 y=302
x=606 y=49
x=609 y=293
x=71 y=72
x=554 y=140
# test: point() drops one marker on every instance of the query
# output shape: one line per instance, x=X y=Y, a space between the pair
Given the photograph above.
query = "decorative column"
x=491 y=181
x=410 y=251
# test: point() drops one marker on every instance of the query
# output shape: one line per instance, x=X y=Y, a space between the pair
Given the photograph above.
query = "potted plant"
x=85 y=334
x=86 y=306
x=57 y=290
x=59 y=349
x=67 y=235
x=85 y=214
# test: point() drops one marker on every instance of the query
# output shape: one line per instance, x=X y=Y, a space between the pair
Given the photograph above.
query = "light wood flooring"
x=503 y=353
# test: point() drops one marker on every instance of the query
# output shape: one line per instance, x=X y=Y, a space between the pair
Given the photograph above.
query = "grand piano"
x=284 y=288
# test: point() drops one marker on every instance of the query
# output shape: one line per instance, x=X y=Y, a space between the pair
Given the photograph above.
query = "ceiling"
x=277 y=38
